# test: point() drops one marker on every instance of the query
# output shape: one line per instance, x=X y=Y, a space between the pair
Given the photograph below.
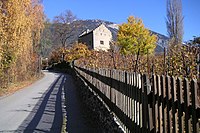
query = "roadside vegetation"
x=21 y=23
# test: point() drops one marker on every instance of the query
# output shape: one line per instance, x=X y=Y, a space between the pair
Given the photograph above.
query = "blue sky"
x=152 y=12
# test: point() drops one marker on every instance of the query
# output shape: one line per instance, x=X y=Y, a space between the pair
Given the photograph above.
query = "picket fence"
x=142 y=104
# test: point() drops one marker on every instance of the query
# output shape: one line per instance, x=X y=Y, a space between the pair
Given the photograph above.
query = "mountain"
x=113 y=27
x=92 y=24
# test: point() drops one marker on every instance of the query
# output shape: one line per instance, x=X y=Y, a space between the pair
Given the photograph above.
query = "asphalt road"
x=78 y=120
x=37 y=108
x=40 y=107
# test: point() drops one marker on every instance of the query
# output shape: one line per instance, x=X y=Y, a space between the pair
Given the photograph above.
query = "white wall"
x=102 y=34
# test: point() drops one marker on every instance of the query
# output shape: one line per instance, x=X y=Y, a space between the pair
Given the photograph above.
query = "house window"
x=102 y=42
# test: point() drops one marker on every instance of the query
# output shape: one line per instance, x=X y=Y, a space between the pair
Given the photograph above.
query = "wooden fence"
x=162 y=104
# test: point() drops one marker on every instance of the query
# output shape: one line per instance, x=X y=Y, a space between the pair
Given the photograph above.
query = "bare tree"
x=64 y=25
x=174 y=21
x=114 y=49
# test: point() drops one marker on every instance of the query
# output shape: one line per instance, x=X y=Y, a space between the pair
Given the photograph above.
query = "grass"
x=64 y=124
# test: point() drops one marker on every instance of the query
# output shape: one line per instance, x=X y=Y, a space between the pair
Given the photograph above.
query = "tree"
x=195 y=41
x=21 y=22
x=46 y=41
x=64 y=28
x=37 y=16
x=55 y=56
x=174 y=21
x=133 y=37
x=113 y=51
x=77 y=51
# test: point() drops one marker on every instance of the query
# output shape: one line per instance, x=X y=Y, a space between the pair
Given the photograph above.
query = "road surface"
x=40 y=107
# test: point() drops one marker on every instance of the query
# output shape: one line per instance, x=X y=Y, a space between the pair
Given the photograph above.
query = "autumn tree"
x=21 y=22
x=37 y=15
x=114 y=49
x=174 y=21
x=133 y=37
x=56 y=55
x=179 y=59
x=77 y=51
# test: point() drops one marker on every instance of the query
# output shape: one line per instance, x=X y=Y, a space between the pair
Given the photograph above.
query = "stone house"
x=98 y=39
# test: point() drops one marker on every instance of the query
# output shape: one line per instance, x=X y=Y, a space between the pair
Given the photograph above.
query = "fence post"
x=133 y=99
x=180 y=101
x=159 y=107
x=168 y=97
x=186 y=107
x=145 y=121
x=111 y=87
x=174 y=114
x=198 y=67
x=163 y=101
x=154 y=111
x=195 y=124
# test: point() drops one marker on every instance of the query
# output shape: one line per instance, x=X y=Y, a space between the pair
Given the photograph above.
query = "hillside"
x=92 y=24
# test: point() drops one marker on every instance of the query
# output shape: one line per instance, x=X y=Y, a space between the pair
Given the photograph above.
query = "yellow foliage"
x=134 y=37
x=56 y=55
x=78 y=50
x=17 y=27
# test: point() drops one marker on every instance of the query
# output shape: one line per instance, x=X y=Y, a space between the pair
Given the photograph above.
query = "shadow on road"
x=47 y=115
x=78 y=119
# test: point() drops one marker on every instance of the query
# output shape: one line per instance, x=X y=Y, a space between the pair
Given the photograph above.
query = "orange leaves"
x=75 y=52
x=56 y=55
x=80 y=50
x=37 y=18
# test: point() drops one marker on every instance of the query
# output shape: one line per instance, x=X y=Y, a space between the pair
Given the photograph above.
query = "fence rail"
x=160 y=104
